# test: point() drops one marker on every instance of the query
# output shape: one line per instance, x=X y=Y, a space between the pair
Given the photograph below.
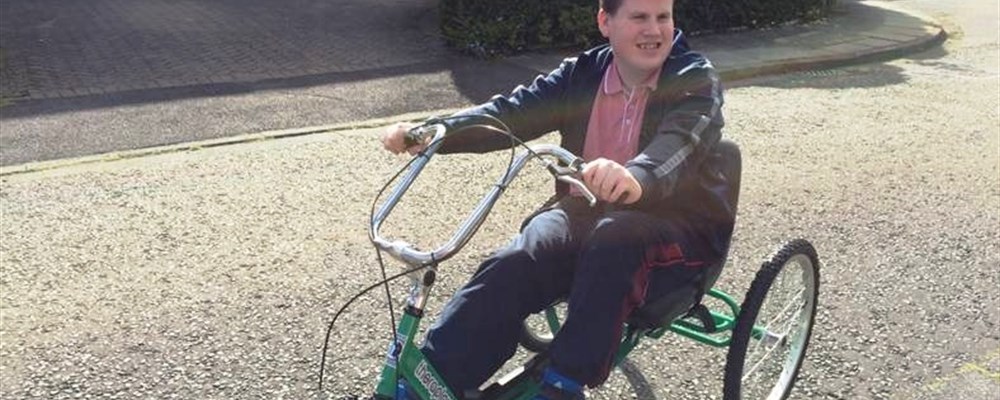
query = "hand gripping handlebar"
x=569 y=165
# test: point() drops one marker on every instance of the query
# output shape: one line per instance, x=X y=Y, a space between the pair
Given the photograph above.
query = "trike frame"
x=405 y=362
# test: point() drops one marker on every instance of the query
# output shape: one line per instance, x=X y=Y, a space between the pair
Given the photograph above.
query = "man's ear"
x=602 y=21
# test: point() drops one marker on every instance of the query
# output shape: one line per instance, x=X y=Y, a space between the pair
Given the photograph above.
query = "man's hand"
x=611 y=182
x=393 y=139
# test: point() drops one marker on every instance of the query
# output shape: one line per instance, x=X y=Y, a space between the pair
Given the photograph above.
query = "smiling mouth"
x=649 y=46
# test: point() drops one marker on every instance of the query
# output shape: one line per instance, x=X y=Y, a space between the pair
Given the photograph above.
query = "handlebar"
x=571 y=165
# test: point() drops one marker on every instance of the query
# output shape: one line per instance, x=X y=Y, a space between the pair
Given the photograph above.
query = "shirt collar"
x=613 y=80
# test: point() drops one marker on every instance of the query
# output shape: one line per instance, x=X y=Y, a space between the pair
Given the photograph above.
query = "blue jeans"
x=605 y=263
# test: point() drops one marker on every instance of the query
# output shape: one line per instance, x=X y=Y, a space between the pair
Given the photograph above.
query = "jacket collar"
x=612 y=82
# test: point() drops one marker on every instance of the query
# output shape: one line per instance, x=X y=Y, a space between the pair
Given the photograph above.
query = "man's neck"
x=632 y=78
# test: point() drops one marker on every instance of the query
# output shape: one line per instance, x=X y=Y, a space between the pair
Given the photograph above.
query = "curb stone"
x=225 y=141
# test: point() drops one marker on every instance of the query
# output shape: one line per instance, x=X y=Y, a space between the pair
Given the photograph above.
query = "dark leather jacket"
x=682 y=125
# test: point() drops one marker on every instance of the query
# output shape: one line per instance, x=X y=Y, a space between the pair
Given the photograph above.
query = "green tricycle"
x=766 y=336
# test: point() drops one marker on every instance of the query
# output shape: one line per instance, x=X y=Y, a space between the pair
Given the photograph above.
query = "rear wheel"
x=772 y=331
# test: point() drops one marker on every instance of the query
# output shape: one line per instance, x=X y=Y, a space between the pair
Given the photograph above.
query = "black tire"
x=536 y=334
x=797 y=254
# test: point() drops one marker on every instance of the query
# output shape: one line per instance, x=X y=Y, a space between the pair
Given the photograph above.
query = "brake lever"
x=567 y=175
x=591 y=199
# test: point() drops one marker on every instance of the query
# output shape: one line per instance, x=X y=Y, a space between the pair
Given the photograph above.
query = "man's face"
x=640 y=32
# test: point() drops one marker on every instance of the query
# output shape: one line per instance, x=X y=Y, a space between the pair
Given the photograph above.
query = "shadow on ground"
x=475 y=80
x=867 y=75
x=640 y=385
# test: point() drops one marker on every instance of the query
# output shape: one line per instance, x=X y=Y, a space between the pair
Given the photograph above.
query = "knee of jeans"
x=620 y=228
x=513 y=277
x=511 y=262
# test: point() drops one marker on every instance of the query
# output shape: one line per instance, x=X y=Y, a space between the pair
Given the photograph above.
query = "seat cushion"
x=674 y=303
x=664 y=309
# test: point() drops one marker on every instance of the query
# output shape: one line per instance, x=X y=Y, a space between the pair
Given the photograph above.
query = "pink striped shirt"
x=616 y=118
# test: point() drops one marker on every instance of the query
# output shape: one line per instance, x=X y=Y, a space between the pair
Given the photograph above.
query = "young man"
x=644 y=113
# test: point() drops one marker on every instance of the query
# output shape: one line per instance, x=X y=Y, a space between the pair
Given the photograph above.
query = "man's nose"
x=652 y=28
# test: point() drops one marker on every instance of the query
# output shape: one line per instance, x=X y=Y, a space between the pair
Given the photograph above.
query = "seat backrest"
x=723 y=173
x=731 y=166
x=727 y=162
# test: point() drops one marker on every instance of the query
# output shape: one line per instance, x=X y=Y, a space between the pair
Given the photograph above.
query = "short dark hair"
x=610 y=6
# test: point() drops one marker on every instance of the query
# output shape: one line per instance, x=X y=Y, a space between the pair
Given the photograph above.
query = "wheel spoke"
x=761 y=361
x=783 y=341
x=790 y=305
x=784 y=309
x=780 y=284
x=765 y=307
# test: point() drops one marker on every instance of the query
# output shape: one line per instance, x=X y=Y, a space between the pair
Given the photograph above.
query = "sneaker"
x=556 y=386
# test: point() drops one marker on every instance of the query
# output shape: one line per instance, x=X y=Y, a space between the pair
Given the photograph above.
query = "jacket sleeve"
x=529 y=112
x=690 y=127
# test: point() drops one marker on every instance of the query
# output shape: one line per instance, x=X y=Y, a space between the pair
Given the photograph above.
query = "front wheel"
x=772 y=331
x=538 y=330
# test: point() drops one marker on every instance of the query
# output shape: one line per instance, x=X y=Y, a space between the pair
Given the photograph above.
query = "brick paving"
x=57 y=49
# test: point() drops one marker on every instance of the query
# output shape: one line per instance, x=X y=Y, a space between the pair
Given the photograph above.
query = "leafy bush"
x=490 y=28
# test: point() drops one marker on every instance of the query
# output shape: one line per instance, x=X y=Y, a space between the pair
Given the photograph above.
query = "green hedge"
x=490 y=28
